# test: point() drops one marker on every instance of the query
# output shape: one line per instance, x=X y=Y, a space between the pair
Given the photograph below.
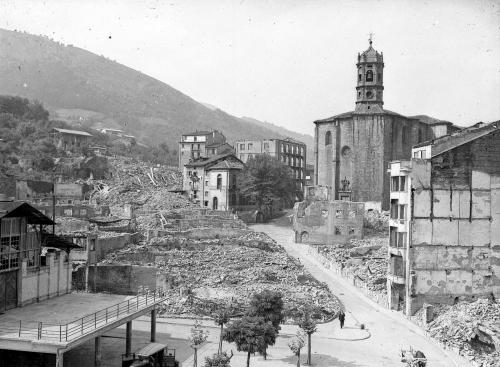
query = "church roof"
x=352 y=113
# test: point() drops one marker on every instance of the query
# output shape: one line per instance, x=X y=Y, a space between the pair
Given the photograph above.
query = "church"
x=353 y=149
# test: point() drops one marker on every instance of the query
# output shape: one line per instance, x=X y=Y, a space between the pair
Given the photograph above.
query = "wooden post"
x=128 y=338
x=153 y=325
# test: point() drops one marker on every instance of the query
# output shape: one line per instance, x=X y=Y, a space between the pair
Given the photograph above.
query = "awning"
x=9 y=209
x=150 y=349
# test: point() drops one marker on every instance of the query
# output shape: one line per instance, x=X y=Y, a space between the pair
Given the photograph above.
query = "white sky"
x=290 y=62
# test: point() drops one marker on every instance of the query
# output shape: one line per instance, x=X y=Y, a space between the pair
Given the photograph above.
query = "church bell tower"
x=370 y=86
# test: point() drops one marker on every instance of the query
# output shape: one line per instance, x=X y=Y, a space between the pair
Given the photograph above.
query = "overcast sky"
x=291 y=62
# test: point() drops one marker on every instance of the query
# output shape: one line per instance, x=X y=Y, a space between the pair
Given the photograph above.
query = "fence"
x=66 y=332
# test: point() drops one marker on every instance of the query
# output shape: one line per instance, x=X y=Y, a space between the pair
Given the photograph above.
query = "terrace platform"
x=60 y=324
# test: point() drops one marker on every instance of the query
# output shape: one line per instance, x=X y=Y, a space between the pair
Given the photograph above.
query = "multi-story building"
x=38 y=312
x=202 y=144
x=445 y=220
x=352 y=149
x=289 y=151
x=211 y=182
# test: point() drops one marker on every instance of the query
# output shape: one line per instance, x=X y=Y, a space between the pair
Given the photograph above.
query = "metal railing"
x=81 y=326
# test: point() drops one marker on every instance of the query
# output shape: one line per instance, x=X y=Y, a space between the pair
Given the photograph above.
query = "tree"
x=221 y=317
x=269 y=305
x=308 y=325
x=196 y=339
x=218 y=360
x=296 y=344
x=265 y=179
x=251 y=334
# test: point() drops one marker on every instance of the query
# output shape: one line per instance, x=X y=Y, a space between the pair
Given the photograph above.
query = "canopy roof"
x=10 y=209
x=150 y=349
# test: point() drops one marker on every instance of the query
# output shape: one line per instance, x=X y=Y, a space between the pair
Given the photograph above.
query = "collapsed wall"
x=323 y=221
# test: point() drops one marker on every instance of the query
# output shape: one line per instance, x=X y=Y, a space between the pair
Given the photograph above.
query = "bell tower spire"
x=370 y=84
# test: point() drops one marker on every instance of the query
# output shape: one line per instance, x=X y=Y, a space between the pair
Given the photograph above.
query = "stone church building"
x=353 y=149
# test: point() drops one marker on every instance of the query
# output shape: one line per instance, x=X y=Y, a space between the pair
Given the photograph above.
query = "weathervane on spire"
x=371 y=38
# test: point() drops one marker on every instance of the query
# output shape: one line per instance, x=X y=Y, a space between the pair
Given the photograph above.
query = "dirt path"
x=389 y=330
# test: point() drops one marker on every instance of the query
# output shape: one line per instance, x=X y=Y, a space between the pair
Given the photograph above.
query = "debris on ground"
x=206 y=274
x=364 y=258
x=471 y=328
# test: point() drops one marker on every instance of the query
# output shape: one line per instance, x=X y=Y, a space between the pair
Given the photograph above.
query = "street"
x=389 y=330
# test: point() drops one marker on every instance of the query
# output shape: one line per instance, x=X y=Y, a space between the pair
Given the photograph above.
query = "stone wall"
x=380 y=298
x=327 y=222
x=121 y=279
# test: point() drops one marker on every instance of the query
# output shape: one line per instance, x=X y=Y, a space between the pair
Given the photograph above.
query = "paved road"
x=389 y=330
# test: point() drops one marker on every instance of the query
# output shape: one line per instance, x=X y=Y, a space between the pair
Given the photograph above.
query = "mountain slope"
x=81 y=87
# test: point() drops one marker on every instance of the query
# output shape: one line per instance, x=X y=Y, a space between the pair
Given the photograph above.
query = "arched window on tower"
x=369 y=76
x=328 y=138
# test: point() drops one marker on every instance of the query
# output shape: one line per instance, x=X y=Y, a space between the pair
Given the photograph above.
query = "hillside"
x=83 y=88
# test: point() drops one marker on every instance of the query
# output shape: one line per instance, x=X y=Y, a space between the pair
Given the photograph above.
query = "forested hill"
x=79 y=86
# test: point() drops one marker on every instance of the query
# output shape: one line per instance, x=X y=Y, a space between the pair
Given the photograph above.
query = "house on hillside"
x=444 y=241
x=109 y=131
x=71 y=140
x=290 y=151
x=211 y=182
x=202 y=144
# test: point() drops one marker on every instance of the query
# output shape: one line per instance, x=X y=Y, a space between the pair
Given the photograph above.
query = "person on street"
x=341 y=318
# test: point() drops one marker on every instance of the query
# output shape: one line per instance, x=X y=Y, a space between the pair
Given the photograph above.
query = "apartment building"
x=202 y=144
x=445 y=220
x=289 y=151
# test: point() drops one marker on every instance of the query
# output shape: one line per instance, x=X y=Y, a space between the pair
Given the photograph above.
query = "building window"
x=420 y=135
x=219 y=182
x=182 y=145
x=394 y=209
x=266 y=145
x=328 y=138
x=359 y=77
x=242 y=146
x=379 y=77
x=250 y=146
x=369 y=76
x=195 y=138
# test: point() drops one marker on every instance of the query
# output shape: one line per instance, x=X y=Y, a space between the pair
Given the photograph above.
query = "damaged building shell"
x=445 y=221
x=320 y=220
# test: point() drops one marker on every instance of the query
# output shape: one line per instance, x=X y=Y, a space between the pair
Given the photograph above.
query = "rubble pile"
x=472 y=328
x=211 y=273
x=365 y=258
x=376 y=222
x=145 y=188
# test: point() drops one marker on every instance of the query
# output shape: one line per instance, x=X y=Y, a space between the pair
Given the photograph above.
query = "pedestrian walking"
x=341 y=318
